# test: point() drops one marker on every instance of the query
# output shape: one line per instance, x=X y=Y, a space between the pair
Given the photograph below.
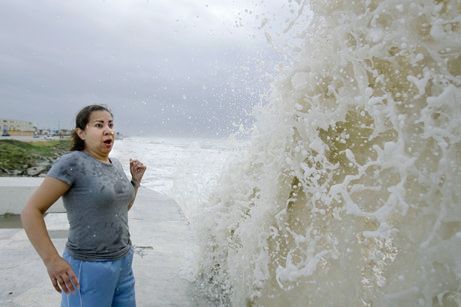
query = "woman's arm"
x=137 y=170
x=136 y=188
x=47 y=194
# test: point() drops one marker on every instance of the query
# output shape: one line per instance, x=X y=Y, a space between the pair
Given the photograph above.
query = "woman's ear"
x=81 y=133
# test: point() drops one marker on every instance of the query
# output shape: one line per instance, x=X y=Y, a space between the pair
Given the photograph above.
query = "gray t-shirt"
x=97 y=206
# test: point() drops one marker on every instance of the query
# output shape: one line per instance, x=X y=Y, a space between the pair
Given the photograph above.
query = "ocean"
x=348 y=191
x=184 y=169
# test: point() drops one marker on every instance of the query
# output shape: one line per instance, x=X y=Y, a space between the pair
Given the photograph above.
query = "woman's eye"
x=111 y=126
x=99 y=125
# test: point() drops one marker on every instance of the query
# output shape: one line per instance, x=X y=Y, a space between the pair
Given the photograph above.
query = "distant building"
x=61 y=133
x=65 y=132
x=17 y=127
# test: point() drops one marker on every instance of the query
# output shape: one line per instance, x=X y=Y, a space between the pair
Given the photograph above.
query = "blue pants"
x=102 y=283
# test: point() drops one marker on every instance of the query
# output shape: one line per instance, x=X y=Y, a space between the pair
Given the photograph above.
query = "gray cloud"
x=165 y=67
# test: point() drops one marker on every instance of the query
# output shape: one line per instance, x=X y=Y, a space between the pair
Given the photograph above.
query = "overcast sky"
x=165 y=67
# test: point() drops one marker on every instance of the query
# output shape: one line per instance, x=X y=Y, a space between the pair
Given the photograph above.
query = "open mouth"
x=108 y=142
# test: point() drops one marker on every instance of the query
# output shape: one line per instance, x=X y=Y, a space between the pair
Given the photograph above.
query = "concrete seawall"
x=15 y=191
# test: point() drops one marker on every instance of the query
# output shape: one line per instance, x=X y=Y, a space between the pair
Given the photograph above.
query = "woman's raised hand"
x=137 y=170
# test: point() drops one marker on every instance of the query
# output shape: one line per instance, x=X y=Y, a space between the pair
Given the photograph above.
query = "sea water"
x=349 y=191
x=184 y=169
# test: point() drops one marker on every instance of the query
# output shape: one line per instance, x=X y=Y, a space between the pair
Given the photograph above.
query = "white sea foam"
x=184 y=169
x=349 y=194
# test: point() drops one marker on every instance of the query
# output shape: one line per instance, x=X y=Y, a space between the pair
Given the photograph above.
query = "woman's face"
x=99 y=133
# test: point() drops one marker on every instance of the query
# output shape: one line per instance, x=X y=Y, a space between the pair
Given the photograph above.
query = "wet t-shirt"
x=97 y=206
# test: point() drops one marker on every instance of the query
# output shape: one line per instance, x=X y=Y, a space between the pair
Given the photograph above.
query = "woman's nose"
x=109 y=130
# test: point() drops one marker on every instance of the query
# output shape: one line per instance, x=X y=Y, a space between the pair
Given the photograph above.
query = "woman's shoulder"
x=66 y=166
x=69 y=157
x=73 y=154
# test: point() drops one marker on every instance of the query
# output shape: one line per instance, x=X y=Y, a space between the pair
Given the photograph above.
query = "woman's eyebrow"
x=102 y=121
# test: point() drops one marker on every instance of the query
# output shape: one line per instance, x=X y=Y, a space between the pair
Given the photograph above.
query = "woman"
x=95 y=269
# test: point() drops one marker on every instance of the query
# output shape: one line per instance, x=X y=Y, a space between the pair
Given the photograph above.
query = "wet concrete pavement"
x=164 y=259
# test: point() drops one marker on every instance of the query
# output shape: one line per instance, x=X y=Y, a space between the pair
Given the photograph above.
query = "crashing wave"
x=350 y=192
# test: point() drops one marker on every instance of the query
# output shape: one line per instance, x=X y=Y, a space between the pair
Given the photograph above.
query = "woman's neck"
x=102 y=158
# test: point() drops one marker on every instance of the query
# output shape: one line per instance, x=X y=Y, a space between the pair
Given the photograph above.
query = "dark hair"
x=81 y=120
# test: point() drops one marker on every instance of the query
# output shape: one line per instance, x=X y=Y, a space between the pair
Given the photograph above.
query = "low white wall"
x=15 y=191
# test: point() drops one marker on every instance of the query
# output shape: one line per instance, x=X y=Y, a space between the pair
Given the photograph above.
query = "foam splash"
x=349 y=194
